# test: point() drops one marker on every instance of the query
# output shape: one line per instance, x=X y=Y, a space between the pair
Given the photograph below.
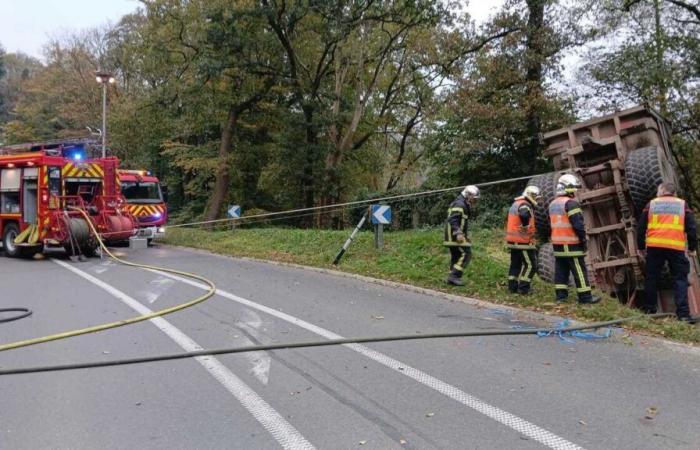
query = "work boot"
x=513 y=286
x=524 y=288
x=590 y=300
x=454 y=280
x=690 y=320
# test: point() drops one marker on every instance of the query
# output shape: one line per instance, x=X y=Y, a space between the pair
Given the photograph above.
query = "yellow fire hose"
x=107 y=326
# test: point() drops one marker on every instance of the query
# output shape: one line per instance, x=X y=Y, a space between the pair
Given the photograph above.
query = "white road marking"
x=261 y=361
x=102 y=267
x=512 y=421
x=286 y=435
x=159 y=287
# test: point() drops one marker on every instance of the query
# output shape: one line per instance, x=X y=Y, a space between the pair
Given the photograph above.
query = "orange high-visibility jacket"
x=666 y=227
x=562 y=231
x=514 y=230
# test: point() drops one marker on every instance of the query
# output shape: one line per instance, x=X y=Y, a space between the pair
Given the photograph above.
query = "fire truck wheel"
x=547 y=184
x=8 y=240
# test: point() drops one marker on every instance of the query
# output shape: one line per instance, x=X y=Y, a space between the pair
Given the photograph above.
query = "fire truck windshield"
x=143 y=192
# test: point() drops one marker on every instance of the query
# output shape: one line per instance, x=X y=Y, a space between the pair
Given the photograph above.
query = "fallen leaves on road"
x=652 y=411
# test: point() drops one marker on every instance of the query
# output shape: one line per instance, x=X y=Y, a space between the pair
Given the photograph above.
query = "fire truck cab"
x=145 y=201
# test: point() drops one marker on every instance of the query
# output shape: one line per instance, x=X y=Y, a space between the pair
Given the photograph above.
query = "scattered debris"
x=363 y=442
x=582 y=423
x=652 y=411
x=403 y=442
x=377 y=317
x=430 y=415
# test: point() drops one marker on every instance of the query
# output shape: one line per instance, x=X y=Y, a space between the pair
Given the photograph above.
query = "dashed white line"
x=512 y=421
x=284 y=433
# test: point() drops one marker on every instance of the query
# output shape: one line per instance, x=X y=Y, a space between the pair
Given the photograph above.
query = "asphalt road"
x=478 y=393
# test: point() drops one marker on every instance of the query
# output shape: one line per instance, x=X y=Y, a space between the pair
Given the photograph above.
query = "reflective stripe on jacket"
x=516 y=233
x=563 y=232
x=456 y=222
x=666 y=223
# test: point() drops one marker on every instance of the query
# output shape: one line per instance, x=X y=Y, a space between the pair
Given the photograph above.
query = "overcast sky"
x=25 y=25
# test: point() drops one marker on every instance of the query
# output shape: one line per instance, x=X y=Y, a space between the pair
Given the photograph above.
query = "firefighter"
x=569 y=242
x=456 y=228
x=666 y=230
x=520 y=239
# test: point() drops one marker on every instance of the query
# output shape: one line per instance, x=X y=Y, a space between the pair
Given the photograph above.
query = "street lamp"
x=104 y=78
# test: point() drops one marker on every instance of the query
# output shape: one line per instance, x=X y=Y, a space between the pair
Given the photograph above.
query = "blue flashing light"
x=158 y=215
x=75 y=152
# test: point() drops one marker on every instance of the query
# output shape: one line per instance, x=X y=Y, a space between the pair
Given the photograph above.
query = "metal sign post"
x=234 y=212
x=347 y=243
x=381 y=215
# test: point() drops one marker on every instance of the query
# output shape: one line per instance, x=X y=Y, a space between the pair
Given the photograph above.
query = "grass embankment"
x=417 y=258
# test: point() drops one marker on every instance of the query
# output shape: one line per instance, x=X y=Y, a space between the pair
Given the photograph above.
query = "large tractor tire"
x=545 y=264
x=646 y=169
x=547 y=184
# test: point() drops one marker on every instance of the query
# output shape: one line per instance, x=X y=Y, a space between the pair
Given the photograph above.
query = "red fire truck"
x=43 y=189
x=145 y=201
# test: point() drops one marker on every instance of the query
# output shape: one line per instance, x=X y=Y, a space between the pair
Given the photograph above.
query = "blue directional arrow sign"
x=381 y=214
x=234 y=211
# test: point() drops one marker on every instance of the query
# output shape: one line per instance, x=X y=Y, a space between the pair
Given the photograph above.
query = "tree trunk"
x=223 y=175
x=534 y=62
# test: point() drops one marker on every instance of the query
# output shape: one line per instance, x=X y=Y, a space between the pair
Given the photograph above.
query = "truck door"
x=30 y=194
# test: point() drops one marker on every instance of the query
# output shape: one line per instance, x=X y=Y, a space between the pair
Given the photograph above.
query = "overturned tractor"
x=620 y=159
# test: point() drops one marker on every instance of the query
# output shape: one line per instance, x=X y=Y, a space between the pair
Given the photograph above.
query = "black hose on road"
x=24 y=312
x=308 y=344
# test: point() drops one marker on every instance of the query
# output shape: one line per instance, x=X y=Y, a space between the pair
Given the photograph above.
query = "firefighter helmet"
x=568 y=184
x=471 y=191
x=533 y=193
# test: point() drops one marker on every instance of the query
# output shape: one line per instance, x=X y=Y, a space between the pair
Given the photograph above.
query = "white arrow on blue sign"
x=234 y=211
x=381 y=214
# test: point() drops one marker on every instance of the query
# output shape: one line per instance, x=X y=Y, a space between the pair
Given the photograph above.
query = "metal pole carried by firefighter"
x=665 y=232
x=456 y=233
x=520 y=240
x=569 y=242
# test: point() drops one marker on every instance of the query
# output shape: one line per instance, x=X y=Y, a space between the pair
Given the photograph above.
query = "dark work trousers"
x=563 y=267
x=459 y=260
x=680 y=267
x=523 y=266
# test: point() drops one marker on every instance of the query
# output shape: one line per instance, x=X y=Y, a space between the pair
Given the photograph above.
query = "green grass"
x=417 y=257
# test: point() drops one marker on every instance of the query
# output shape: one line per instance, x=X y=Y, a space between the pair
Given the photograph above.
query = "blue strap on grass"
x=565 y=335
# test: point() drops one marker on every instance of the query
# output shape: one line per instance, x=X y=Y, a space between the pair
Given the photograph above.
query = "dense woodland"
x=276 y=104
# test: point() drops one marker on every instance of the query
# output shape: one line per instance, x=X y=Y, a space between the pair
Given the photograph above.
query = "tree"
x=656 y=61
x=507 y=95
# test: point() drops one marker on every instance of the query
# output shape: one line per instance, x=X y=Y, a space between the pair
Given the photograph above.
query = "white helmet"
x=568 y=184
x=471 y=191
x=533 y=193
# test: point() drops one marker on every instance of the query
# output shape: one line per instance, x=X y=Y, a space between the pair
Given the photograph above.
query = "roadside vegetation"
x=417 y=258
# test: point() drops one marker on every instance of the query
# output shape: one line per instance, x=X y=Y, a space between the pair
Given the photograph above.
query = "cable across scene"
x=353 y=203
x=325 y=343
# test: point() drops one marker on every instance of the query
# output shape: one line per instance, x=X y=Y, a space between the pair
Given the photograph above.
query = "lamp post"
x=104 y=78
